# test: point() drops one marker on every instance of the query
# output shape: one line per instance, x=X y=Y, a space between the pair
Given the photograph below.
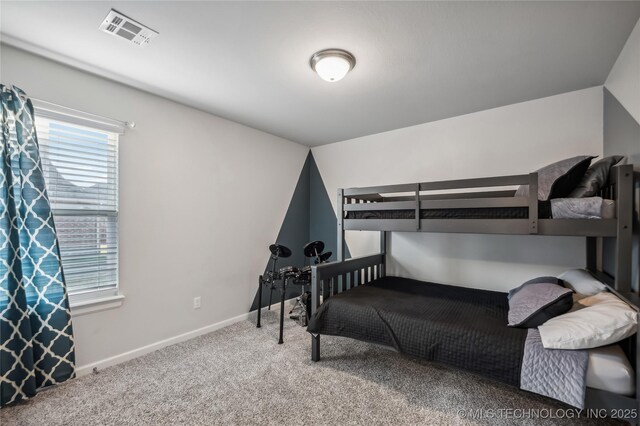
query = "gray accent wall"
x=323 y=224
x=622 y=137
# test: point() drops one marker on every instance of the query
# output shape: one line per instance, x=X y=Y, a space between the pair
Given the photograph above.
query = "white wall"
x=515 y=139
x=624 y=78
x=200 y=201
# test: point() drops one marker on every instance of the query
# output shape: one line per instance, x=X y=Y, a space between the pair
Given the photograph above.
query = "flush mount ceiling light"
x=332 y=64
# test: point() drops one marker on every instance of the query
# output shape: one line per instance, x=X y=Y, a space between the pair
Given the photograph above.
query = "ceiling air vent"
x=119 y=25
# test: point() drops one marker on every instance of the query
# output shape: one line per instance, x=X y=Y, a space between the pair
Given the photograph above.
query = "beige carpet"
x=240 y=375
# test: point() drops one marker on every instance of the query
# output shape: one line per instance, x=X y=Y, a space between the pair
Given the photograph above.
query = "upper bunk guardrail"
x=486 y=182
x=370 y=198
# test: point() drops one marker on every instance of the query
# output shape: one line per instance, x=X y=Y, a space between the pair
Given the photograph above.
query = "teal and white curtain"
x=36 y=338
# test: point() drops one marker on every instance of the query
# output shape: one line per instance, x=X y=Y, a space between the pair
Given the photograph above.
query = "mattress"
x=544 y=212
x=610 y=370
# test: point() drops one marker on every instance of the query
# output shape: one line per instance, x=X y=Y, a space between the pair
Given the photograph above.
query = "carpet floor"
x=239 y=375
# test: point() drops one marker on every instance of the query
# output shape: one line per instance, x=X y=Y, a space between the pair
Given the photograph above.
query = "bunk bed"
x=462 y=206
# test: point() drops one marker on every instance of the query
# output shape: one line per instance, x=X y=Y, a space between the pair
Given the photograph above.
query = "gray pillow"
x=596 y=177
x=536 y=303
x=557 y=180
x=538 y=280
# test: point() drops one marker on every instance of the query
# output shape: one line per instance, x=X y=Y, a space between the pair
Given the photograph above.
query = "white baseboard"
x=84 y=370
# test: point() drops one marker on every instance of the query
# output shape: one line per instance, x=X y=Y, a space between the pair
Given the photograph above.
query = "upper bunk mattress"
x=544 y=212
x=461 y=327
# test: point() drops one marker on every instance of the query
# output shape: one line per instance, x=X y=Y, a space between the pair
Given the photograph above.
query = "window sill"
x=84 y=307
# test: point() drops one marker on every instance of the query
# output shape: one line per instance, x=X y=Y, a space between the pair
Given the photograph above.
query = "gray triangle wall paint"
x=622 y=137
x=310 y=217
x=323 y=224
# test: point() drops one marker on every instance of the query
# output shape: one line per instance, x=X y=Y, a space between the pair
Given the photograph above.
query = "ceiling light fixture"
x=332 y=64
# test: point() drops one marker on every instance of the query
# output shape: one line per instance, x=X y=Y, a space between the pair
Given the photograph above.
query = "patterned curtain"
x=36 y=338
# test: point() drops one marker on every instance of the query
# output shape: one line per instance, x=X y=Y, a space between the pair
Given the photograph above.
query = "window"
x=80 y=165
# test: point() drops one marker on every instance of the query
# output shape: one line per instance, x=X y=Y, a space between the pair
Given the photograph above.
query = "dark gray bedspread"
x=461 y=327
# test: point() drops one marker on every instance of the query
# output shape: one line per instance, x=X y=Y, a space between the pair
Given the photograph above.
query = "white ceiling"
x=416 y=61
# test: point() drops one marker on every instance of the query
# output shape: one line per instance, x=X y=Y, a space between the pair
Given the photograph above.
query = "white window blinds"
x=80 y=165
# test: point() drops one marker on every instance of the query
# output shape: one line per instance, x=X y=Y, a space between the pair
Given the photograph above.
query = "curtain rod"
x=76 y=113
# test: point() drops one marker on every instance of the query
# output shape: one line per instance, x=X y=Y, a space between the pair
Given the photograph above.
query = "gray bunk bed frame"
x=336 y=277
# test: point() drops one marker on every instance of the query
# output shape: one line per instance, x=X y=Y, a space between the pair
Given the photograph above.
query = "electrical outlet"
x=196 y=302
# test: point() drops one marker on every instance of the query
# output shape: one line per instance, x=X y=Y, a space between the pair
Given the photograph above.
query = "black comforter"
x=461 y=327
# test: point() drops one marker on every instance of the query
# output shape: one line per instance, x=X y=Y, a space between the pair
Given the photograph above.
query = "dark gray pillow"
x=557 y=180
x=596 y=177
x=539 y=280
x=536 y=303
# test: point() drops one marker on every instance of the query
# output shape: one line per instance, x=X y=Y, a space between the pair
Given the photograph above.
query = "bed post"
x=417 y=212
x=340 y=216
x=340 y=283
x=624 y=197
x=315 y=285
x=383 y=252
x=533 y=203
x=315 y=304
x=592 y=253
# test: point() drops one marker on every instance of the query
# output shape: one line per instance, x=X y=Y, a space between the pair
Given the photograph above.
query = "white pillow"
x=605 y=319
x=582 y=282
